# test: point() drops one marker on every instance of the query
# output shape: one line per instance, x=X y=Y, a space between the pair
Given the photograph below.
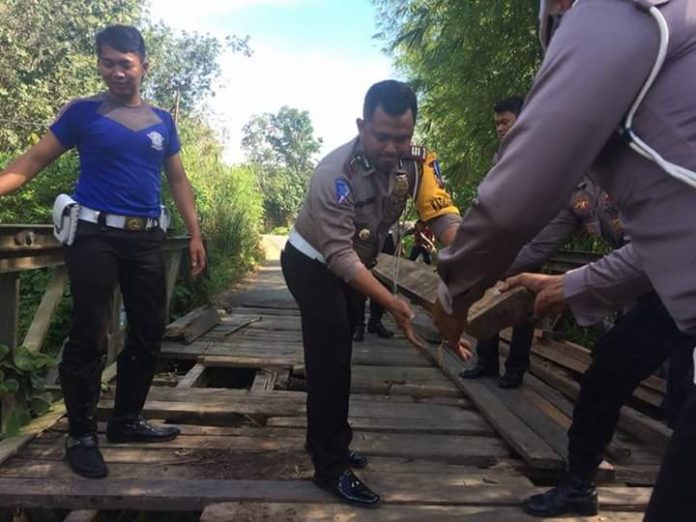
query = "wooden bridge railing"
x=30 y=247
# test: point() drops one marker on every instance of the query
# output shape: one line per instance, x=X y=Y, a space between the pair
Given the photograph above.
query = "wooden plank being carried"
x=487 y=316
x=190 y=495
x=192 y=325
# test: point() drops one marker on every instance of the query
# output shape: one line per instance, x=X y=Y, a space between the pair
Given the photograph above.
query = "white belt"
x=116 y=221
x=303 y=246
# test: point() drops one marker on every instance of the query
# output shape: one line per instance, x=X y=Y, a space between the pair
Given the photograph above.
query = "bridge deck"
x=237 y=392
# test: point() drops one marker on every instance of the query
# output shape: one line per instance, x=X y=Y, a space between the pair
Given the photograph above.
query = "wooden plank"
x=537 y=420
x=193 y=377
x=192 y=325
x=173 y=266
x=638 y=425
x=615 y=449
x=34 y=339
x=301 y=512
x=11 y=446
x=190 y=495
x=82 y=515
x=9 y=316
x=533 y=449
x=265 y=380
x=473 y=425
x=282 y=404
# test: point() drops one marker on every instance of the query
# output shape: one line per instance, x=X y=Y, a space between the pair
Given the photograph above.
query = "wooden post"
x=9 y=313
x=116 y=333
x=47 y=309
x=173 y=265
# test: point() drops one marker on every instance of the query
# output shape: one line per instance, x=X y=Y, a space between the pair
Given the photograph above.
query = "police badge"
x=400 y=185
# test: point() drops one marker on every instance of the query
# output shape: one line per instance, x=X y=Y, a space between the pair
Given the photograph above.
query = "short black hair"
x=394 y=97
x=124 y=38
x=512 y=104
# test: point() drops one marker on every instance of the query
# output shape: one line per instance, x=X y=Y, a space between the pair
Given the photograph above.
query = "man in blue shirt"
x=123 y=144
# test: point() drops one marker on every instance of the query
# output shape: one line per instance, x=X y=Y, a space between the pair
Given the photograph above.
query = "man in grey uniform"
x=356 y=194
x=590 y=210
x=593 y=72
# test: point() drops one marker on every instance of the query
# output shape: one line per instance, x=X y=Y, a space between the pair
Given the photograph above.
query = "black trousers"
x=100 y=258
x=518 y=356
x=328 y=312
x=628 y=353
x=418 y=250
x=674 y=496
x=376 y=309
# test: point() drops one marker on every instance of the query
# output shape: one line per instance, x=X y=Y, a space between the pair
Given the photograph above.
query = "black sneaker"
x=572 y=497
x=84 y=456
x=139 y=430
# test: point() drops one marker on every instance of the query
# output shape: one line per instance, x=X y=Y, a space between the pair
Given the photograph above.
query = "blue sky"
x=314 y=55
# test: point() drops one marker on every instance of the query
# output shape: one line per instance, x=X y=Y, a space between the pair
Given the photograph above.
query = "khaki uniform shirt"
x=596 y=64
x=350 y=207
x=589 y=209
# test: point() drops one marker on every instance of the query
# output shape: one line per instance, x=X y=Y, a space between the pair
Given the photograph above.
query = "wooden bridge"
x=439 y=448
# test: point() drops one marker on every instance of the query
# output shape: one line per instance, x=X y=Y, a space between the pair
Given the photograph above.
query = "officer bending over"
x=356 y=194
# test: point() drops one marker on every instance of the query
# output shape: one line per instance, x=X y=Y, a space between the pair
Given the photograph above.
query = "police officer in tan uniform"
x=356 y=194
x=612 y=64
x=589 y=209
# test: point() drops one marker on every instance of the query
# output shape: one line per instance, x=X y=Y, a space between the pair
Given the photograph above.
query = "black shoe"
x=379 y=329
x=356 y=461
x=359 y=333
x=139 y=430
x=572 y=497
x=84 y=456
x=349 y=489
x=479 y=370
x=511 y=379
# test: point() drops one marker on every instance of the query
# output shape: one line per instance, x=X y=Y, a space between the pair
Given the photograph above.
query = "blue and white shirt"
x=122 y=150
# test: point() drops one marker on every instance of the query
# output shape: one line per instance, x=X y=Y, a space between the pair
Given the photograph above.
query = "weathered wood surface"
x=192 y=325
x=188 y=495
x=432 y=441
x=297 y=512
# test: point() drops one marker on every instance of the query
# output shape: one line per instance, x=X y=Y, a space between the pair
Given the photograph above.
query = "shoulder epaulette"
x=418 y=152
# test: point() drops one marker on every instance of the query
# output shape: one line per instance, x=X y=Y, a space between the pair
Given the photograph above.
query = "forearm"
x=17 y=173
x=368 y=285
x=601 y=287
x=182 y=193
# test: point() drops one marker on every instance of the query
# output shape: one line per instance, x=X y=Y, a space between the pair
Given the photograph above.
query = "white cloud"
x=330 y=86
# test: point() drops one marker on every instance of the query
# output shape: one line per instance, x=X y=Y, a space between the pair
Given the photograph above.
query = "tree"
x=281 y=148
x=462 y=57
x=47 y=57
x=184 y=65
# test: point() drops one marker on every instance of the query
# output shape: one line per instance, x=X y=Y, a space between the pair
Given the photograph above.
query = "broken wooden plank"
x=192 y=325
x=193 y=377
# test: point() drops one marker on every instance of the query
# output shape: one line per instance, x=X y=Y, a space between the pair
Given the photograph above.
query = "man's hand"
x=403 y=315
x=197 y=255
x=548 y=290
x=451 y=329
